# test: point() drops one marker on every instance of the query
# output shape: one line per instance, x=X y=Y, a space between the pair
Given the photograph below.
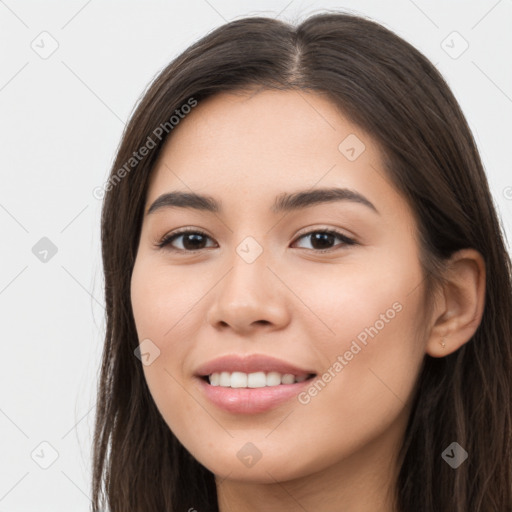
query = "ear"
x=458 y=312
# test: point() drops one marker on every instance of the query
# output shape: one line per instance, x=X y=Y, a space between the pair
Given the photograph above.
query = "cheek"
x=163 y=297
x=372 y=298
x=163 y=308
x=376 y=350
x=371 y=346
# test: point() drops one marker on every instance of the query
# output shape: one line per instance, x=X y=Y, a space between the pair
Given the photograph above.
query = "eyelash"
x=168 y=239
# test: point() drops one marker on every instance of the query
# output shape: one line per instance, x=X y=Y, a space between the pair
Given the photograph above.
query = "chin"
x=235 y=463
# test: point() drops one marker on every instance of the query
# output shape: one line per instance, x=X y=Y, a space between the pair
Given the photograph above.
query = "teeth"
x=273 y=379
x=256 y=380
x=253 y=380
x=238 y=380
x=287 y=378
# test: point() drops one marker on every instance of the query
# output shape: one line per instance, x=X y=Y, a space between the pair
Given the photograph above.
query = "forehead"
x=256 y=145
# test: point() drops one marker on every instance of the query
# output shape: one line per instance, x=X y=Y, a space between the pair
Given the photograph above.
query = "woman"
x=308 y=292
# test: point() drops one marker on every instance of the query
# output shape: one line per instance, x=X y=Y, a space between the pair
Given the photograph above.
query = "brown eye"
x=191 y=241
x=322 y=240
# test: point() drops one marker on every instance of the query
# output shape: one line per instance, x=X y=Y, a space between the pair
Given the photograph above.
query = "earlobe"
x=458 y=316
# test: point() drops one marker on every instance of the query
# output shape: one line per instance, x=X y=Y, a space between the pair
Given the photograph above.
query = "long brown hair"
x=388 y=88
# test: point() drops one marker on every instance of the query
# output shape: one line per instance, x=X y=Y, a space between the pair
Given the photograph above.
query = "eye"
x=321 y=239
x=194 y=240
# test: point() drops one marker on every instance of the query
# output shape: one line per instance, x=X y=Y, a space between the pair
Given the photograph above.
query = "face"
x=300 y=273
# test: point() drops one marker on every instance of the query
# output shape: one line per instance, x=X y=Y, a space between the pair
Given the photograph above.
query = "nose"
x=249 y=297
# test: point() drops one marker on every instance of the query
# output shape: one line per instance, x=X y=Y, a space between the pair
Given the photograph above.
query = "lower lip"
x=251 y=400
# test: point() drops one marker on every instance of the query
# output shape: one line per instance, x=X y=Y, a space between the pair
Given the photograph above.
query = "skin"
x=292 y=302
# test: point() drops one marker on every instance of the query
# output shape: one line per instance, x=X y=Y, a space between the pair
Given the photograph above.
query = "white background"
x=61 y=119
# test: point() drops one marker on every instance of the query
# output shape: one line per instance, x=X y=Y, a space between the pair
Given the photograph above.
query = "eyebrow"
x=284 y=202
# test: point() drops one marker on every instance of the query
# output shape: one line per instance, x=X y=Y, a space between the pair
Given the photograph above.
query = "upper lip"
x=250 y=364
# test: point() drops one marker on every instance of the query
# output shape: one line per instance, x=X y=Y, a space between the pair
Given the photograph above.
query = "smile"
x=253 y=380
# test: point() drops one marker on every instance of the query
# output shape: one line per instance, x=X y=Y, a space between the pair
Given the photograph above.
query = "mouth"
x=251 y=384
x=260 y=379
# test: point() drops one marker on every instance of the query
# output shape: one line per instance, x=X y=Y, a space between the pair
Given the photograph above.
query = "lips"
x=251 y=364
x=253 y=399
